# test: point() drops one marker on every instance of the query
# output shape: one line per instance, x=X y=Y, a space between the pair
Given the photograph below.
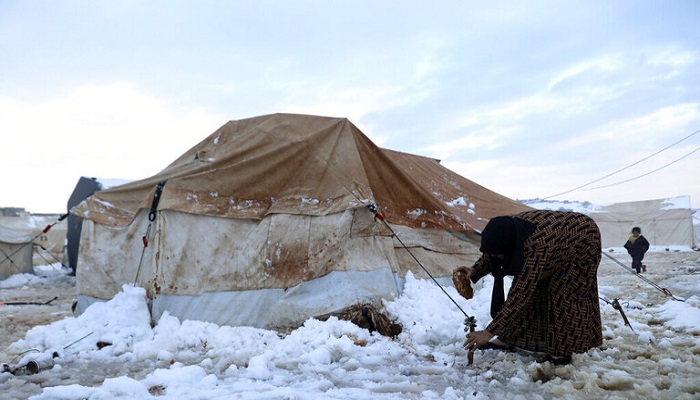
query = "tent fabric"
x=15 y=252
x=198 y=254
x=272 y=274
x=308 y=165
x=264 y=223
x=12 y=236
x=664 y=222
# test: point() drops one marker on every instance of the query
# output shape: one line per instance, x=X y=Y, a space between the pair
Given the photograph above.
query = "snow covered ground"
x=112 y=352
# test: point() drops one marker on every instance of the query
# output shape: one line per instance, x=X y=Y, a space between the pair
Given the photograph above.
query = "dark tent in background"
x=83 y=189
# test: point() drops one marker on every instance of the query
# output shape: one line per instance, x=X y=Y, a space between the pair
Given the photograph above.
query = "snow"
x=416 y=213
x=459 y=201
x=335 y=359
x=110 y=183
x=682 y=202
x=583 y=207
x=17 y=280
x=312 y=202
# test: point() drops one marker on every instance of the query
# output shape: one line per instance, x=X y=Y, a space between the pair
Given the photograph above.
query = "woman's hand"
x=476 y=339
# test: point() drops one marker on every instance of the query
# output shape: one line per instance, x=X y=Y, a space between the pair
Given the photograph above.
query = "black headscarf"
x=506 y=236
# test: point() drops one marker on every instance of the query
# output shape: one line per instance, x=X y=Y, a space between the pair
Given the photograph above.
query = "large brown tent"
x=265 y=223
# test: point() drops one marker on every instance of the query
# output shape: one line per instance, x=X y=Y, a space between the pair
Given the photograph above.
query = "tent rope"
x=50 y=254
x=151 y=218
x=663 y=290
x=470 y=321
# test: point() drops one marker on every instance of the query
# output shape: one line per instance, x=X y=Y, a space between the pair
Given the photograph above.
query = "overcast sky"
x=529 y=99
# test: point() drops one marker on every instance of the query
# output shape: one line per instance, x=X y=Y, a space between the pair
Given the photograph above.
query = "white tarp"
x=664 y=222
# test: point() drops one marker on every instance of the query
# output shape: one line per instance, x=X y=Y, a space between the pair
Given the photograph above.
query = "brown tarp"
x=303 y=165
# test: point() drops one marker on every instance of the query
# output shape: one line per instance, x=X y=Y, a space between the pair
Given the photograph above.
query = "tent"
x=664 y=222
x=48 y=244
x=83 y=189
x=15 y=252
x=266 y=223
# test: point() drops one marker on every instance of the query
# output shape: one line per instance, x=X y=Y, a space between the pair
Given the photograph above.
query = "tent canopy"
x=305 y=165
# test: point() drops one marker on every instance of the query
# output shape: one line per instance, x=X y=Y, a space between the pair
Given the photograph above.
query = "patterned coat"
x=552 y=305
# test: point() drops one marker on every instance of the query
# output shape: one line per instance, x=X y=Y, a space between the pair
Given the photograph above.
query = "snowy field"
x=112 y=352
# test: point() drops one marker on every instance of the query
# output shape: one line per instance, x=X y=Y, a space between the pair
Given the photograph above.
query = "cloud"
x=493 y=126
x=107 y=131
x=602 y=64
x=673 y=57
x=659 y=128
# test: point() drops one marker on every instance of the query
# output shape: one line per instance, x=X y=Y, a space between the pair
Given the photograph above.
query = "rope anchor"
x=469 y=321
x=616 y=305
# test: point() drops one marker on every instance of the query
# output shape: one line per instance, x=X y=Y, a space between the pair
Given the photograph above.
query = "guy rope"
x=663 y=290
x=469 y=321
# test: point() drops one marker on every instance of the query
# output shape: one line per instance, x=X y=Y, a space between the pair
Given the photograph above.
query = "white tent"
x=15 y=252
x=266 y=223
x=48 y=244
x=664 y=222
